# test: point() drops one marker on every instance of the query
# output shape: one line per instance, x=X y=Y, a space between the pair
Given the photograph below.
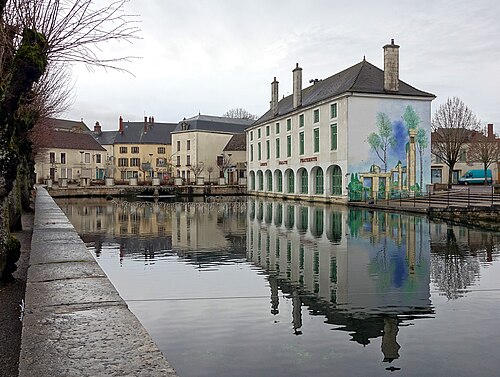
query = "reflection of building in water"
x=365 y=271
x=457 y=254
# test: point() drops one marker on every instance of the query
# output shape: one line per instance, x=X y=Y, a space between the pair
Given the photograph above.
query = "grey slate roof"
x=133 y=133
x=105 y=137
x=67 y=125
x=214 y=124
x=237 y=143
x=363 y=77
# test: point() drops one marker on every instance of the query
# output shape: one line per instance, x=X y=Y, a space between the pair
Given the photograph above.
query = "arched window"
x=252 y=180
x=303 y=182
x=336 y=181
x=279 y=181
x=260 y=179
x=269 y=178
x=291 y=182
x=319 y=181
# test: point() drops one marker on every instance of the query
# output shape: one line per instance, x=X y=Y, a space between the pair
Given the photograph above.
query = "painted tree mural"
x=381 y=141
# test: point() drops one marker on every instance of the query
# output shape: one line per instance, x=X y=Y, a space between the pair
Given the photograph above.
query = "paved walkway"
x=75 y=322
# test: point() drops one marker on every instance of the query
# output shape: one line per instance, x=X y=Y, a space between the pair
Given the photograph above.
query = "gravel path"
x=10 y=296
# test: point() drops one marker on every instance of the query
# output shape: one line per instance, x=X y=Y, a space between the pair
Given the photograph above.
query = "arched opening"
x=260 y=180
x=336 y=180
x=319 y=187
x=303 y=181
x=252 y=180
x=278 y=177
x=290 y=181
x=269 y=180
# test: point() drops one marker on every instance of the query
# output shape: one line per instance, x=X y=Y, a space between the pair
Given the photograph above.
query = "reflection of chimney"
x=491 y=135
x=297 y=86
x=97 y=128
x=120 y=125
x=274 y=97
x=391 y=67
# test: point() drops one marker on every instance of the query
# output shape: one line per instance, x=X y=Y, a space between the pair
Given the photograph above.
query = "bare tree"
x=453 y=125
x=239 y=113
x=223 y=163
x=484 y=150
x=197 y=169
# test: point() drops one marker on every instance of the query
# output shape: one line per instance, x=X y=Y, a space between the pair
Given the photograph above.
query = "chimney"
x=491 y=135
x=145 y=128
x=391 y=67
x=120 y=127
x=152 y=120
x=297 y=86
x=274 y=97
x=97 y=128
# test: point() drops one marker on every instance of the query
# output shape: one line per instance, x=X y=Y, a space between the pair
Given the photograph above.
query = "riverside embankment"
x=75 y=322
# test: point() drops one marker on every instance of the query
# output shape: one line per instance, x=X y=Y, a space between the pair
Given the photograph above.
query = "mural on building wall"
x=397 y=150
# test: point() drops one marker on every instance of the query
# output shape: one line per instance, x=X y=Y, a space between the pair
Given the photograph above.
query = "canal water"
x=275 y=288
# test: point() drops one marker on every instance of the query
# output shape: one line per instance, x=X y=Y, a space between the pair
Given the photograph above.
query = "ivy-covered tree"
x=381 y=141
x=34 y=34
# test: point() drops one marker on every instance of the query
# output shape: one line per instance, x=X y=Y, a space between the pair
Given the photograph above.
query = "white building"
x=359 y=132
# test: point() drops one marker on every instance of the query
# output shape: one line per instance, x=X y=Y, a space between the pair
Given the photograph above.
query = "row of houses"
x=206 y=148
x=360 y=131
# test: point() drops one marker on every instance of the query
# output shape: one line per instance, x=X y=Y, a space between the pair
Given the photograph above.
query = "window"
x=251 y=135
x=122 y=162
x=319 y=181
x=63 y=158
x=301 y=120
x=333 y=137
x=259 y=151
x=303 y=182
x=336 y=181
x=301 y=143
x=251 y=152
x=188 y=160
x=135 y=162
x=333 y=110
x=258 y=133
x=277 y=148
x=279 y=183
x=178 y=145
x=87 y=158
x=291 y=183
x=134 y=149
x=289 y=145
x=52 y=158
x=123 y=150
x=316 y=140
x=160 y=162
x=268 y=149
x=188 y=146
x=316 y=116
x=269 y=184
x=277 y=128
x=289 y=124
x=178 y=160
x=161 y=150
x=267 y=130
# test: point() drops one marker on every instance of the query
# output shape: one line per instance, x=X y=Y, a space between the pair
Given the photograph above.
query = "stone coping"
x=75 y=322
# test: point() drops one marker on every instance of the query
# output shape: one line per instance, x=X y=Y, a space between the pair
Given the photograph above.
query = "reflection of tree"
x=453 y=268
x=355 y=221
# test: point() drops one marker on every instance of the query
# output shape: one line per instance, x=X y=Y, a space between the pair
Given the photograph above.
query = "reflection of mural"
x=394 y=141
x=365 y=271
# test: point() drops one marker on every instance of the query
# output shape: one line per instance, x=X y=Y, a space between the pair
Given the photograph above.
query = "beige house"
x=199 y=148
x=138 y=150
x=69 y=156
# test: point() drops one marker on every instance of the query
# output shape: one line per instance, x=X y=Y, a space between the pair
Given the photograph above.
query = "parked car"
x=475 y=177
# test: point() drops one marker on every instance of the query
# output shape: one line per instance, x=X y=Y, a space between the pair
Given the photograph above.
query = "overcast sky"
x=209 y=56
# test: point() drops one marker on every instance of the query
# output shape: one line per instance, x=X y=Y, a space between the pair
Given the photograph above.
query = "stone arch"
x=317 y=180
x=268 y=181
x=335 y=180
x=302 y=181
x=252 y=180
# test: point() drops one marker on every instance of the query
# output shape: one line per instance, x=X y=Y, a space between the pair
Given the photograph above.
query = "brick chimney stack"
x=391 y=67
x=274 y=97
x=120 y=125
x=97 y=128
x=491 y=134
x=297 y=86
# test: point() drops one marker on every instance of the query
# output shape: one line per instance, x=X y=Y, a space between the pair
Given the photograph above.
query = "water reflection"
x=367 y=275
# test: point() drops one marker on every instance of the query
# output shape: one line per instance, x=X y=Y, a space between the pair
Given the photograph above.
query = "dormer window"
x=184 y=126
